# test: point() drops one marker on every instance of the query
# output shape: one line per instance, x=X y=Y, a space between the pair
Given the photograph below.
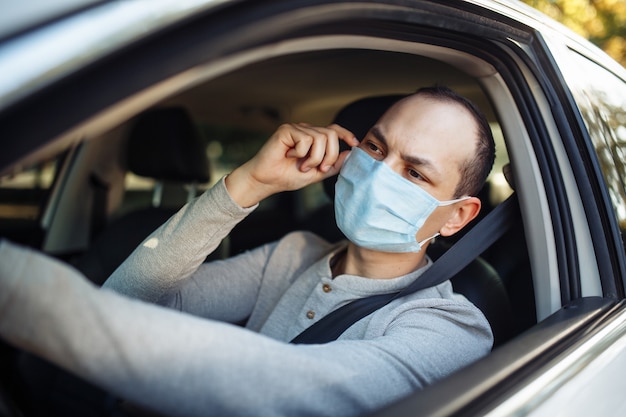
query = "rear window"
x=23 y=197
x=22 y=194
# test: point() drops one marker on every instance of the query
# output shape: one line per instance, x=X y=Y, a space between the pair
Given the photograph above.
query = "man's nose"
x=393 y=162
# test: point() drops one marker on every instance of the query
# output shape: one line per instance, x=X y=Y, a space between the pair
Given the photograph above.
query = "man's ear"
x=464 y=212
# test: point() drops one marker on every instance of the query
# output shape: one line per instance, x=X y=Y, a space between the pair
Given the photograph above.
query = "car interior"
x=89 y=201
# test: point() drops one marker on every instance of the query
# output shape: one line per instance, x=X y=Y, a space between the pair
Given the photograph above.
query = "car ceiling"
x=306 y=87
x=16 y=16
x=311 y=87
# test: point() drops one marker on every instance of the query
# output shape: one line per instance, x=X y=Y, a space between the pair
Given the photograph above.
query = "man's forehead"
x=443 y=133
x=421 y=119
x=412 y=106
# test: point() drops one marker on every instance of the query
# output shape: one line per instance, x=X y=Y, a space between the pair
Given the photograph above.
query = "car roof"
x=18 y=16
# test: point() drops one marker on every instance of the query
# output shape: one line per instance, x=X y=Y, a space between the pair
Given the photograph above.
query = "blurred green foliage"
x=603 y=22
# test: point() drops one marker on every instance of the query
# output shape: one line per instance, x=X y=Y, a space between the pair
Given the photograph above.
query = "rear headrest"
x=165 y=144
x=358 y=117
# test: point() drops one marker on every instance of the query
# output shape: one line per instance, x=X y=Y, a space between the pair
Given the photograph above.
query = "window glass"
x=601 y=97
x=498 y=184
x=23 y=197
x=229 y=147
x=23 y=194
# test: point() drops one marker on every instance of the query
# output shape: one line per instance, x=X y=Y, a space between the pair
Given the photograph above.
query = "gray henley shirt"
x=191 y=363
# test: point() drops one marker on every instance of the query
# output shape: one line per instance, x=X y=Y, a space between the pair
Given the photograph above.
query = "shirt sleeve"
x=175 y=250
x=183 y=365
x=225 y=290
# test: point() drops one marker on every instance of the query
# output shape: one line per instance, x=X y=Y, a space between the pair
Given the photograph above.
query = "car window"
x=23 y=196
x=24 y=192
x=601 y=97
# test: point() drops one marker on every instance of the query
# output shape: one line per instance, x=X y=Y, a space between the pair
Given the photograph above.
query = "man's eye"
x=414 y=174
x=372 y=147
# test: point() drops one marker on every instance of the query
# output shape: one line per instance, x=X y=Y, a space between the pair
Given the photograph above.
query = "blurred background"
x=603 y=22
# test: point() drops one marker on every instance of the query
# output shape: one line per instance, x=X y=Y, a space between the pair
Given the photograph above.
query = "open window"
x=24 y=196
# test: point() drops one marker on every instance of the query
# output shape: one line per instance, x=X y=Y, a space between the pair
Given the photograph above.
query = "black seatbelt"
x=100 y=190
x=487 y=231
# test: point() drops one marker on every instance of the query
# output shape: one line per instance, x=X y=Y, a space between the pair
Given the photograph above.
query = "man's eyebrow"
x=379 y=135
x=423 y=163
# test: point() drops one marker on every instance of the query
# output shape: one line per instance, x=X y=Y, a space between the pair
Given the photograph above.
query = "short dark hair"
x=474 y=171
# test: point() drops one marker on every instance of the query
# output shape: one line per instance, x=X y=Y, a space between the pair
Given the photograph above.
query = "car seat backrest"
x=163 y=144
x=479 y=281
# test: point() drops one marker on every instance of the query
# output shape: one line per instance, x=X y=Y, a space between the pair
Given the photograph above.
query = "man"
x=424 y=159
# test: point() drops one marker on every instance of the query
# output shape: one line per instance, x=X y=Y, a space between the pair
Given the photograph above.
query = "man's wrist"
x=243 y=189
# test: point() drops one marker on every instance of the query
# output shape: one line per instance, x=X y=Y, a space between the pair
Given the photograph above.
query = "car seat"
x=163 y=144
x=479 y=281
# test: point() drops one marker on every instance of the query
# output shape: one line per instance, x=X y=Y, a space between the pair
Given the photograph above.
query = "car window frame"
x=607 y=235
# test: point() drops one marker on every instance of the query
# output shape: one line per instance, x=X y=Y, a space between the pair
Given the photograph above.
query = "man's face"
x=425 y=141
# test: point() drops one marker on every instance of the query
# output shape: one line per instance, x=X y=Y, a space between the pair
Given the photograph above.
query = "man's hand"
x=295 y=156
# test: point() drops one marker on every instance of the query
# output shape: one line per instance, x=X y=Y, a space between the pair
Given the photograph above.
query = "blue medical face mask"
x=378 y=209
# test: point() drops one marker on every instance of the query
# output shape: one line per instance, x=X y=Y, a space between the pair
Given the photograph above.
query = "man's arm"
x=295 y=156
x=182 y=365
x=177 y=248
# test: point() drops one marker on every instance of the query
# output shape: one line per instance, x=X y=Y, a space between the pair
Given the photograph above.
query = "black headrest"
x=165 y=144
x=358 y=117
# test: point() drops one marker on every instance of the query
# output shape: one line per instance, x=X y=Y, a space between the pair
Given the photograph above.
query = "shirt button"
x=310 y=314
x=327 y=288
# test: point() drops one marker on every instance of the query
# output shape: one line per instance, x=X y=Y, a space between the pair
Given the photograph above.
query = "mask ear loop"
x=443 y=203
x=428 y=238
x=450 y=202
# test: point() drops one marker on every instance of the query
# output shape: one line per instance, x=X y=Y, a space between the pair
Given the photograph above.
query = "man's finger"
x=317 y=151
x=332 y=151
x=336 y=167
x=345 y=135
x=301 y=142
